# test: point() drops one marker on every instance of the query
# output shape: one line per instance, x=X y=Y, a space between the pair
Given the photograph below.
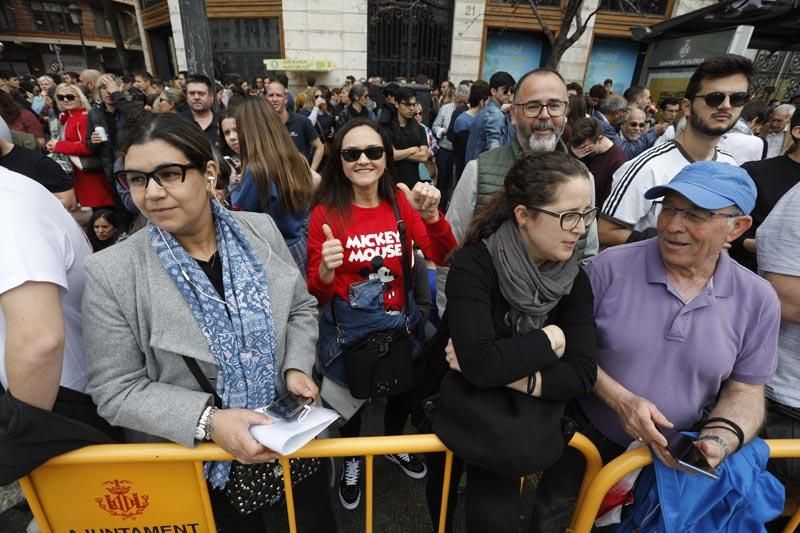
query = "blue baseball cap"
x=711 y=185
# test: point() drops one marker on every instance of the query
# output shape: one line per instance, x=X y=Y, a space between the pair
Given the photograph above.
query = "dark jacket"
x=476 y=412
x=97 y=117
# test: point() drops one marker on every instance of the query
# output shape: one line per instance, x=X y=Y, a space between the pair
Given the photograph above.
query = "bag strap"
x=202 y=380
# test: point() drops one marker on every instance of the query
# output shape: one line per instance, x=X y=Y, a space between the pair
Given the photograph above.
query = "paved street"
x=399 y=500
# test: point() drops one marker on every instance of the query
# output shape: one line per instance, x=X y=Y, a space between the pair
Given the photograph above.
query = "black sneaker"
x=412 y=465
x=350 y=483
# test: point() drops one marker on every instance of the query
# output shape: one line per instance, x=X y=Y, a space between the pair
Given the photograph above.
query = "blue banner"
x=515 y=52
x=612 y=58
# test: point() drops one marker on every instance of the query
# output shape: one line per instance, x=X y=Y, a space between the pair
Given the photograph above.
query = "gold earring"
x=523 y=226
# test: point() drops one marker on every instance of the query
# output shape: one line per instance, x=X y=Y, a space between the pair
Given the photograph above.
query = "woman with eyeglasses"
x=276 y=177
x=91 y=186
x=199 y=318
x=522 y=338
x=353 y=239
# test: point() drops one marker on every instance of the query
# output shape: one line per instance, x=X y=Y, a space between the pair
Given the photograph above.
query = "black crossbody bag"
x=381 y=365
x=251 y=487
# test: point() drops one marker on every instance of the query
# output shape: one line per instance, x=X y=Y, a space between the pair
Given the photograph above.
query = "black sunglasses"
x=351 y=155
x=67 y=97
x=637 y=124
x=715 y=99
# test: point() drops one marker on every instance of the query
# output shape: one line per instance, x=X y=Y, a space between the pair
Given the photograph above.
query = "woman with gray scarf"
x=522 y=338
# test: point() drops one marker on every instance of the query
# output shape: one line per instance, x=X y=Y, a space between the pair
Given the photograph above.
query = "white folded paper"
x=286 y=437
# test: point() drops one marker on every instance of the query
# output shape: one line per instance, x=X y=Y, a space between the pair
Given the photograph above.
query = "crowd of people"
x=455 y=228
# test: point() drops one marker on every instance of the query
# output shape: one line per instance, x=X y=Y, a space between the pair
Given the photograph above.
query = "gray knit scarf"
x=531 y=291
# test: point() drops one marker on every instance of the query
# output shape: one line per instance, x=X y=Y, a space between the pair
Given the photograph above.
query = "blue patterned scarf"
x=241 y=338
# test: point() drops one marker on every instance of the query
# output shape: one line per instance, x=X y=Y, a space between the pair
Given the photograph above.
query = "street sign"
x=299 y=65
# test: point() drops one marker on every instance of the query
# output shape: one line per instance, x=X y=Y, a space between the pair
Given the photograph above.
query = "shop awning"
x=776 y=23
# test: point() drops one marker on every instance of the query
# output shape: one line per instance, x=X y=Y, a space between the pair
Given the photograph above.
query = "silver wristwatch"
x=726 y=451
x=205 y=428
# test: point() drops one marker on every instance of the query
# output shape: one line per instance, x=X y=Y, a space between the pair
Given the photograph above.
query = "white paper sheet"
x=288 y=437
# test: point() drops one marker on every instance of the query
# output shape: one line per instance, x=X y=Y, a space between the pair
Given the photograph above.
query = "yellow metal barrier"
x=149 y=488
x=626 y=463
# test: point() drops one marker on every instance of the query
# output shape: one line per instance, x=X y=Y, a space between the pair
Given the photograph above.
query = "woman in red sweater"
x=353 y=237
x=91 y=186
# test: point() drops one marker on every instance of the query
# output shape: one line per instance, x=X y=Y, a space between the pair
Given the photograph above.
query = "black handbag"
x=381 y=365
x=251 y=487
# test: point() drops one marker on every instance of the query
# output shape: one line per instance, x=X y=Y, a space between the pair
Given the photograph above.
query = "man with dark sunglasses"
x=493 y=128
x=713 y=101
x=408 y=138
x=635 y=138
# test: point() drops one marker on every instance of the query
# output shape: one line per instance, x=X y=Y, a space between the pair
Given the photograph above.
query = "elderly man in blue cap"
x=687 y=338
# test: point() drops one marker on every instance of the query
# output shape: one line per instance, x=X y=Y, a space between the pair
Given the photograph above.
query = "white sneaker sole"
x=350 y=506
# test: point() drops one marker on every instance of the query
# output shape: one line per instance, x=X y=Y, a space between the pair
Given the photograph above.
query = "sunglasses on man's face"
x=716 y=98
x=373 y=153
x=67 y=97
x=637 y=124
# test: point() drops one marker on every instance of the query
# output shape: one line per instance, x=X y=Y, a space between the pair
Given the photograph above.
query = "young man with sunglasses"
x=713 y=101
x=493 y=127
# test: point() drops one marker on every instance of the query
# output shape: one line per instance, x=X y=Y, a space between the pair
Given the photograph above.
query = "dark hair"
x=404 y=94
x=597 y=91
x=350 y=78
x=7 y=75
x=584 y=129
x=501 y=79
x=144 y=75
x=199 y=78
x=311 y=81
x=575 y=86
x=72 y=74
x=719 y=67
x=608 y=81
x=9 y=109
x=478 y=91
x=325 y=91
x=577 y=108
x=283 y=80
x=632 y=93
x=531 y=182
x=112 y=218
x=755 y=109
x=662 y=105
x=335 y=191
x=184 y=135
x=793 y=123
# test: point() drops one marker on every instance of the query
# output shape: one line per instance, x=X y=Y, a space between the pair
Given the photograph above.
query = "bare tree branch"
x=545 y=28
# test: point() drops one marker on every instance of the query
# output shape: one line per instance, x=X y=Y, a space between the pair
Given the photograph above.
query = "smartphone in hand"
x=287 y=407
x=687 y=455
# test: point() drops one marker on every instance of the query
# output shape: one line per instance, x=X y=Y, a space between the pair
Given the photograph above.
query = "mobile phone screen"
x=287 y=406
x=688 y=456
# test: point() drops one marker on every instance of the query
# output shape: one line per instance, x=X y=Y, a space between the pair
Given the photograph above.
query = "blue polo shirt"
x=302 y=133
x=676 y=354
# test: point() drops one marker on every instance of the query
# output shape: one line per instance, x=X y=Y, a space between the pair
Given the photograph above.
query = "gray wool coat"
x=137 y=327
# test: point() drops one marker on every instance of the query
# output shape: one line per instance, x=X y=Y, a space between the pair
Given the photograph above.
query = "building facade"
x=50 y=37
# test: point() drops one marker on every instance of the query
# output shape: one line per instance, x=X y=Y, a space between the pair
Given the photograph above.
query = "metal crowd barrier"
x=586 y=511
x=159 y=488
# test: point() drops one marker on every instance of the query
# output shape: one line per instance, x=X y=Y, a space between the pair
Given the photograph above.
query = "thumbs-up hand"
x=332 y=255
x=424 y=197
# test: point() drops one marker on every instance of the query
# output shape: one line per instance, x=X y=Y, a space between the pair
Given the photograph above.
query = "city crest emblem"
x=120 y=501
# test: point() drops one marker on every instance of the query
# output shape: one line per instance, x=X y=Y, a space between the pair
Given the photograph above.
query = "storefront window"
x=635 y=7
x=613 y=59
x=515 y=52
x=52 y=17
x=7 y=21
x=240 y=46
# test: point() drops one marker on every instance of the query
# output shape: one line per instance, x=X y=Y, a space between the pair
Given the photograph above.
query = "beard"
x=538 y=144
x=699 y=125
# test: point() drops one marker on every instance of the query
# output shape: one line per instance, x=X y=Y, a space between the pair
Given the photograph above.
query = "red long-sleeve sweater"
x=373 y=231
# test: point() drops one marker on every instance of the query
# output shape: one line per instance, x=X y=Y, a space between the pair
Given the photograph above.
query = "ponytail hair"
x=531 y=182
